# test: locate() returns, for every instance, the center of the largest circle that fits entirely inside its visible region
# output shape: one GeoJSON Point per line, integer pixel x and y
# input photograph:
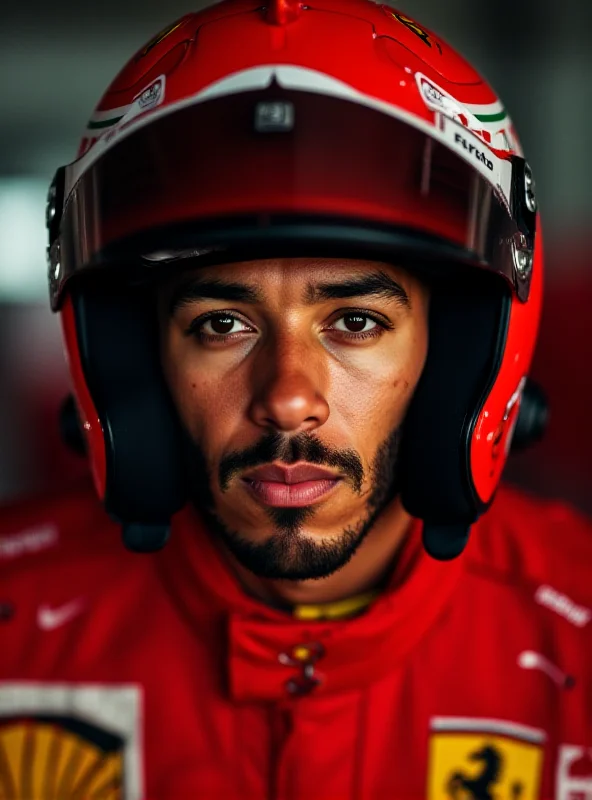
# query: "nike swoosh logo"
{"type": "Point", "coordinates": [49, 618]}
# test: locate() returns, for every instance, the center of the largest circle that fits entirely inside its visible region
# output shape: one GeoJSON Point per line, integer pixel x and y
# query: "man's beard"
{"type": "Point", "coordinates": [287, 554]}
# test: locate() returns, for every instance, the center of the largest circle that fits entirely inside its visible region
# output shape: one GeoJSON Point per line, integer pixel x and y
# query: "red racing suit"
{"type": "Point", "coordinates": [156, 676]}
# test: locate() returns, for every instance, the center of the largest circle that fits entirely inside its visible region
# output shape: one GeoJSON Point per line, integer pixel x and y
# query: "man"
{"type": "Point", "coordinates": [299, 276]}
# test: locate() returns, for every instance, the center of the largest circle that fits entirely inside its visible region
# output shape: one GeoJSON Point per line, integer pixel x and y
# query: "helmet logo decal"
{"type": "Point", "coordinates": [417, 30]}
{"type": "Point", "coordinates": [149, 97]}
{"type": "Point", "coordinates": [479, 154]}
{"type": "Point", "coordinates": [489, 122]}
{"type": "Point", "coordinates": [158, 39]}
{"type": "Point", "coordinates": [497, 171]}
{"type": "Point", "coordinates": [152, 95]}
{"type": "Point", "coordinates": [505, 430]}
{"type": "Point", "coordinates": [274, 117]}
{"type": "Point", "coordinates": [523, 255]}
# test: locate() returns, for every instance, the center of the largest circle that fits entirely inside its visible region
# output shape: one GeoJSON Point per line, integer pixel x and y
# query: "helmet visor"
{"type": "Point", "coordinates": [265, 169]}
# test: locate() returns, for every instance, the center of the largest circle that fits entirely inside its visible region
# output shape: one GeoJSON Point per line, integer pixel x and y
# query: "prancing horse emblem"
{"type": "Point", "coordinates": [480, 787]}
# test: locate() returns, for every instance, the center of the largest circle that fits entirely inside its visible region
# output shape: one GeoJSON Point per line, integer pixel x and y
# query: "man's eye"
{"type": "Point", "coordinates": [220, 325]}
{"type": "Point", "coordinates": [217, 327]}
{"type": "Point", "coordinates": [359, 325]}
{"type": "Point", "coordinates": [355, 322]}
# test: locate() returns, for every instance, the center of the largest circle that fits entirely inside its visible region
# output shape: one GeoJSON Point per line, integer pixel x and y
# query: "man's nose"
{"type": "Point", "coordinates": [289, 386]}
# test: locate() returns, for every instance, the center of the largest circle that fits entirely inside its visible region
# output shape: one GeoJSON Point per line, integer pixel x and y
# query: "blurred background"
{"type": "Point", "coordinates": [56, 59]}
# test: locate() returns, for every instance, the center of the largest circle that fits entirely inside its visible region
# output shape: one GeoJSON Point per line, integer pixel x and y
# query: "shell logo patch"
{"type": "Point", "coordinates": [59, 757]}
{"type": "Point", "coordinates": [70, 740]}
{"type": "Point", "coordinates": [479, 759]}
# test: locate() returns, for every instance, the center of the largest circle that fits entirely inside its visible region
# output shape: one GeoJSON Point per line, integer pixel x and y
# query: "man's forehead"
{"type": "Point", "coordinates": [297, 271]}
{"type": "Point", "coordinates": [292, 269]}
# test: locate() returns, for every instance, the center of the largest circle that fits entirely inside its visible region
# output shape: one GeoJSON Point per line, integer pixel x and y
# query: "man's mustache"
{"type": "Point", "coordinates": [304, 446]}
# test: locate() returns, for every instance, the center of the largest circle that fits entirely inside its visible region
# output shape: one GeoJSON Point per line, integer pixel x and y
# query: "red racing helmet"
{"type": "Point", "coordinates": [333, 127]}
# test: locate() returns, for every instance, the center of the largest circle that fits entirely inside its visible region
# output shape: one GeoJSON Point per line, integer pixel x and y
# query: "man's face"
{"type": "Point", "coordinates": [288, 363]}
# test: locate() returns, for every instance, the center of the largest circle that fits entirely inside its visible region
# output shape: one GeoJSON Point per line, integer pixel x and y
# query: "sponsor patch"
{"type": "Point", "coordinates": [105, 125]}
{"type": "Point", "coordinates": [70, 740]}
{"type": "Point", "coordinates": [51, 617]}
{"type": "Point", "coordinates": [473, 758]}
{"type": "Point", "coordinates": [152, 95]}
{"type": "Point", "coordinates": [478, 153]}
{"type": "Point", "coordinates": [574, 773]}
{"type": "Point", "coordinates": [31, 540]}
{"type": "Point", "coordinates": [560, 603]}
{"type": "Point", "coordinates": [496, 170]}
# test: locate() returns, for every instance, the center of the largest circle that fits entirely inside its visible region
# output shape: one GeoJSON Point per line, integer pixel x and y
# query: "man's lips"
{"type": "Point", "coordinates": [296, 474]}
{"type": "Point", "coordinates": [294, 486]}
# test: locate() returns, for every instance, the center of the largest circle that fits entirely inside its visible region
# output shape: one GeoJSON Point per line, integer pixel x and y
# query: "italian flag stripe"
{"type": "Point", "coordinates": [492, 117]}
{"type": "Point", "coordinates": [103, 123]}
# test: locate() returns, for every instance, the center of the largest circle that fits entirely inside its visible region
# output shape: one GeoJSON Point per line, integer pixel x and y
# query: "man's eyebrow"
{"type": "Point", "coordinates": [212, 289]}
{"type": "Point", "coordinates": [376, 284]}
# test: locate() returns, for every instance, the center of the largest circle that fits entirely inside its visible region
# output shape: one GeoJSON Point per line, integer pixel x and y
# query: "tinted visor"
{"type": "Point", "coordinates": [279, 171]}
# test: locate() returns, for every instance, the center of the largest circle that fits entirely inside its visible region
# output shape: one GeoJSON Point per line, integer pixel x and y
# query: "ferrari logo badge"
{"type": "Point", "coordinates": [158, 39]}
{"type": "Point", "coordinates": [479, 759]}
{"type": "Point", "coordinates": [417, 30]}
